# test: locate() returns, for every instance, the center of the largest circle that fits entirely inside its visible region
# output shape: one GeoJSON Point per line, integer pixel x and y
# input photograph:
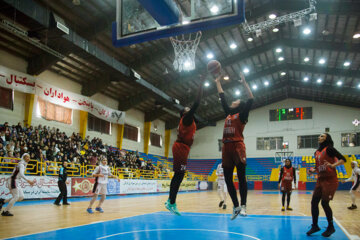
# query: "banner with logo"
{"type": "Point", "coordinates": [44, 187]}
{"type": "Point", "coordinates": [137, 186]}
{"type": "Point", "coordinates": [164, 185]}
{"type": "Point", "coordinates": [82, 186]}
{"type": "Point", "coordinates": [113, 186]}
{"type": "Point", "coordinates": [25, 83]}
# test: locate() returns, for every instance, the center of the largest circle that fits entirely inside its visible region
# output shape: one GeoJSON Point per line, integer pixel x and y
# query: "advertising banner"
{"type": "Point", "coordinates": [82, 186]}
{"type": "Point", "coordinates": [44, 187]}
{"type": "Point", "coordinates": [22, 82]}
{"type": "Point", "coordinates": [164, 185]}
{"type": "Point", "coordinates": [137, 186]}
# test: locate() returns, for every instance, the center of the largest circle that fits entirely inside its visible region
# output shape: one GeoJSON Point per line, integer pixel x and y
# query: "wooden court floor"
{"type": "Point", "coordinates": [44, 217]}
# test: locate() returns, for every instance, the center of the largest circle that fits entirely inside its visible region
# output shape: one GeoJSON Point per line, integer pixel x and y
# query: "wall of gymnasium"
{"type": "Point", "coordinates": [133, 117]}
{"type": "Point", "coordinates": [337, 118]}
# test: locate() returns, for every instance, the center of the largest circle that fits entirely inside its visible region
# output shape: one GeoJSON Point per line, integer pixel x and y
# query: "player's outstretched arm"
{"type": "Point", "coordinates": [246, 86]}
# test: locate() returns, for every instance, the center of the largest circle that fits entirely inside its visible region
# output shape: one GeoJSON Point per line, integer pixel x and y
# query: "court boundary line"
{"type": "Point", "coordinates": [179, 229]}
{"type": "Point", "coordinates": [57, 229]}
{"type": "Point", "coordinates": [351, 237]}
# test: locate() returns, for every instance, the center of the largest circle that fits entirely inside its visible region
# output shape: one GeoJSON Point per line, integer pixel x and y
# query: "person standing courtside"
{"type": "Point", "coordinates": [16, 192]}
{"type": "Point", "coordinates": [327, 158]}
{"type": "Point", "coordinates": [234, 151]}
{"type": "Point", "coordinates": [181, 148]}
{"type": "Point", "coordinates": [62, 185]}
{"type": "Point", "coordinates": [287, 175]}
{"type": "Point", "coordinates": [222, 189]}
{"type": "Point", "coordinates": [355, 176]}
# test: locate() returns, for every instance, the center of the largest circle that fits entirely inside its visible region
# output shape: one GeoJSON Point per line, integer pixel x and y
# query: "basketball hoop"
{"type": "Point", "coordinates": [185, 50]}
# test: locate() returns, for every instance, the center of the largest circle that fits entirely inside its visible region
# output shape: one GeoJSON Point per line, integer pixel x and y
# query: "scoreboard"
{"type": "Point", "coordinates": [285, 114]}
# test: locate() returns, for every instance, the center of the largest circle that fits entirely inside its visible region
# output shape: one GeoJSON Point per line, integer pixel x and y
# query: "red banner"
{"type": "Point", "coordinates": [82, 186]}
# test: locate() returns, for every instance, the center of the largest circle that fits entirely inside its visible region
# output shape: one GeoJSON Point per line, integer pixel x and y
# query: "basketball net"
{"type": "Point", "coordinates": [185, 50]}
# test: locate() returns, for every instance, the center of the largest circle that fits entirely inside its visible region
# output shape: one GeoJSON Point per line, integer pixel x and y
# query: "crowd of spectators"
{"type": "Point", "coordinates": [51, 145]}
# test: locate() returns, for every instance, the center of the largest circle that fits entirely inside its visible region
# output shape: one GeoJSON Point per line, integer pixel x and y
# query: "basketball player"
{"type": "Point", "coordinates": [355, 176]}
{"type": "Point", "coordinates": [101, 174]}
{"type": "Point", "coordinates": [233, 151]}
{"type": "Point", "coordinates": [16, 191]}
{"type": "Point", "coordinates": [327, 159]}
{"type": "Point", "coordinates": [181, 148]}
{"type": "Point", "coordinates": [287, 175]}
{"type": "Point", "coordinates": [222, 189]}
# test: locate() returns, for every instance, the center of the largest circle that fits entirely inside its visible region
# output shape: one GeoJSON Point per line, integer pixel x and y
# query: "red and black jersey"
{"type": "Point", "coordinates": [288, 174]}
{"type": "Point", "coordinates": [321, 168]}
{"type": "Point", "coordinates": [233, 129]}
{"type": "Point", "coordinates": [186, 133]}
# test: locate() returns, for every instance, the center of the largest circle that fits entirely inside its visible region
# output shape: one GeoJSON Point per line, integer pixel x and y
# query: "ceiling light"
{"type": "Point", "coordinates": [206, 84]}
{"type": "Point", "coordinates": [319, 80]}
{"type": "Point", "coordinates": [187, 64]}
{"type": "Point", "coordinates": [306, 59]}
{"type": "Point", "coordinates": [283, 73]}
{"type": "Point", "coordinates": [237, 92]}
{"type": "Point", "coordinates": [246, 70]}
{"type": "Point", "coordinates": [275, 30]}
{"type": "Point", "coordinates": [250, 39]}
{"type": "Point", "coordinates": [278, 50]}
{"type": "Point", "coordinates": [185, 22]}
{"type": "Point", "coordinates": [210, 55]}
{"type": "Point", "coordinates": [322, 61]}
{"type": "Point", "coordinates": [254, 87]}
{"type": "Point", "coordinates": [226, 78]}
{"type": "Point", "coordinates": [359, 85]}
{"type": "Point", "coordinates": [233, 46]}
{"type": "Point", "coordinates": [339, 83]}
{"type": "Point", "coordinates": [281, 58]}
{"type": "Point", "coordinates": [272, 16]}
{"type": "Point", "coordinates": [266, 83]}
{"type": "Point", "coordinates": [356, 35]}
{"type": "Point", "coordinates": [214, 9]}
{"type": "Point", "coordinates": [346, 64]}
{"type": "Point", "coordinates": [306, 79]}
{"type": "Point", "coordinates": [306, 31]}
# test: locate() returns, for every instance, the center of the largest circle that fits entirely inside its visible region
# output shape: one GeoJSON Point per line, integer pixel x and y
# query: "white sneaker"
{"type": "Point", "coordinates": [236, 212]}
{"type": "Point", "coordinates": [243, 210]}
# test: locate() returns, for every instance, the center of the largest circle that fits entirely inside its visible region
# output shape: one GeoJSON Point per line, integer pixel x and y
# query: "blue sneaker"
{"type": "Point", "coordinates": [172, 207]}
{"type": "Point", "coordinates": [99, 209]}
{"type": "Point", "coordinates": [89, 210]}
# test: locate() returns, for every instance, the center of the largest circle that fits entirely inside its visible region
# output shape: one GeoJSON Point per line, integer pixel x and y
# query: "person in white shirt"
{"type": "Point", "coordinates": [101, 174]}
{"type": "Point", "coordinates": [16, 191]}
{"type": "Point", "coordinates": [355, 176]}
{"type": "Point", "coordinates": [222, 189]}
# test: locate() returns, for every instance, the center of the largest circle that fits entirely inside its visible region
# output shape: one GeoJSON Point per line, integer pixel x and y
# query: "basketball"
{"type": "Point", "coordinates": [214, 67]}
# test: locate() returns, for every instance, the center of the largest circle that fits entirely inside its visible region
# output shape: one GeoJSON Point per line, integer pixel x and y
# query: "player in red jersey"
{"type": "Point", "coordinates": [327, 159]}
{"type": "Point", "coordinates": [181, 148]}
{"type": "Point", "coordinates": [233, 151]}
{"type": "Point", "coordinates": [287, 175]}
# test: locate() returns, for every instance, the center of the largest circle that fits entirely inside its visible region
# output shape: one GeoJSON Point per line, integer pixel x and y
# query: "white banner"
{"type": "Point", "coordinates": [25, 83]}
{"type": "Point", "coordinates": [137, 186]}
{"type": "Point", "coordinates": [44, 187]}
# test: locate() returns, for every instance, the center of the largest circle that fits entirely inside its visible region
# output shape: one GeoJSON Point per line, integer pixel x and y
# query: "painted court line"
{"type": "Point", "coordinates": [351, 237]}
{"type": "Point", "coordinates": [57, 229]}
{"type": "Point", "coordinates": [176, 229]}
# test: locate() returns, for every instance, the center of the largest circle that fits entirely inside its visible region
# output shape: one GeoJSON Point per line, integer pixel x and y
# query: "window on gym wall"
{"type": "Point", "coordinates": [98, 125]}
{"type": "Point", "coordinates": [155, 140]}
{"type": "Point", "coordinates": [308, 141]}
{"type": "Point", "coordinates": [269, 143]}
{"type": "Point", "coordinates": [53, 112]}
{"type": "Point", "coordinates": [350, 139]}
{"type": "Point", "coordinates": [131, 132]}
{"type": "Point", "coordinates": [6, 98]}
